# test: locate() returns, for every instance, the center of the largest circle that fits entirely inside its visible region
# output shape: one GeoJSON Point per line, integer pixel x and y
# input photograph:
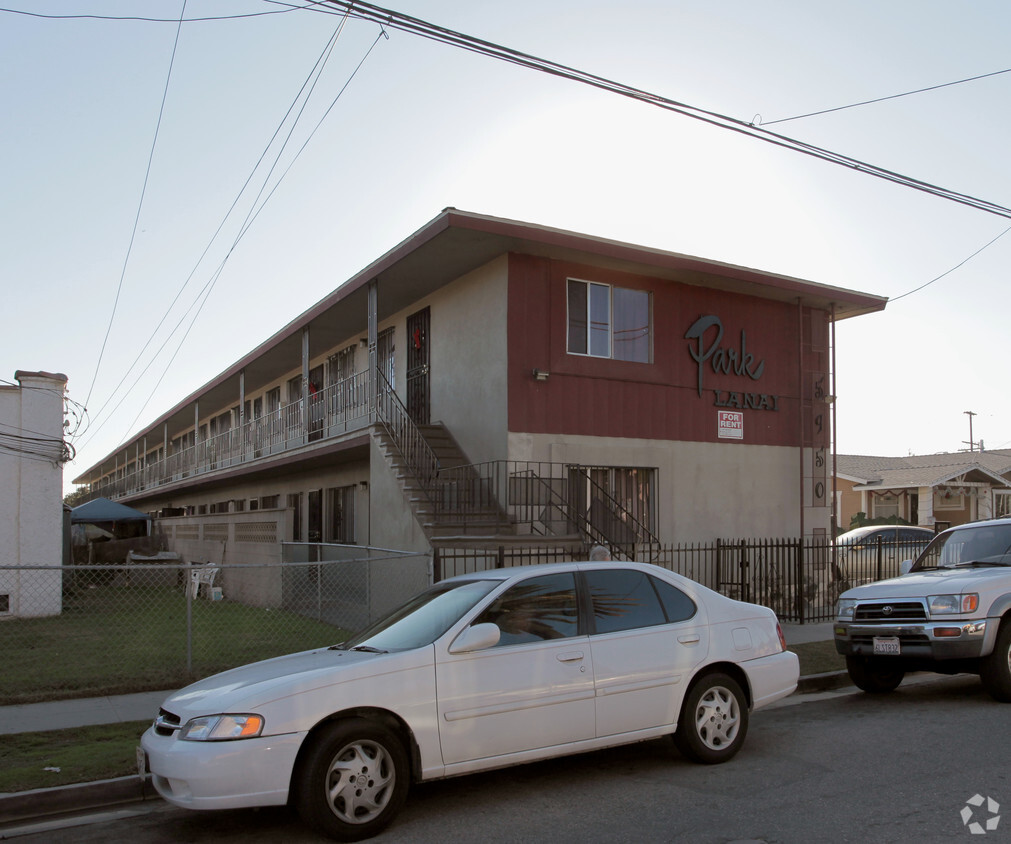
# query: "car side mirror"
{"type": "Point", "coordinates": [477, 637]}
{"type": "Point", "coordinates": [905, 566]}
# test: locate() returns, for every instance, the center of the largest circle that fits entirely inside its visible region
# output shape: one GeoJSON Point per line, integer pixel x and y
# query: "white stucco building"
{"type": "Point", "coordinates": [32, 454]}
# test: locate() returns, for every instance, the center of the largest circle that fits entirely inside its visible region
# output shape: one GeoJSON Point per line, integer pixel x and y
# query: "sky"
{"type": "Point", "coordinates": [153, 232]}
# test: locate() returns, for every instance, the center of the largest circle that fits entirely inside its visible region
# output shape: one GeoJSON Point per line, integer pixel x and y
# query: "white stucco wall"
{"type": "Point", "coordinates": [31, 496]}
{"type": "Point", "coordinates": [468, 358]}
{"type": "Point", "coordinates": [704, 490]}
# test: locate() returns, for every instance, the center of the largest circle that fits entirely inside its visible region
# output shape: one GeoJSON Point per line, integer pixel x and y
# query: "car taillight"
{"type": "Point", "coordinates": [782, 638]}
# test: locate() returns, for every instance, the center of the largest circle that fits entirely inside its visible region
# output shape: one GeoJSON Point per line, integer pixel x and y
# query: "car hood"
{"type": "Point", "coordinates": [260, 683]}
{"type": "Point", "coordinates": [922, 583]}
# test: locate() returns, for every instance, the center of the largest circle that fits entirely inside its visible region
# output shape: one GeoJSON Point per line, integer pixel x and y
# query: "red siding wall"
{"type": "Point", "coordinates": [606, 398]}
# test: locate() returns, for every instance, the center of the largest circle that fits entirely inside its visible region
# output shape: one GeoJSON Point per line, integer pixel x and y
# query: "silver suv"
{"type": "Point", "coordinates": [950, 612]}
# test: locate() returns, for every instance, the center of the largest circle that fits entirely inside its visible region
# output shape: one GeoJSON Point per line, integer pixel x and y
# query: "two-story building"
{"type": "Point", "coordinates": [499, 380]}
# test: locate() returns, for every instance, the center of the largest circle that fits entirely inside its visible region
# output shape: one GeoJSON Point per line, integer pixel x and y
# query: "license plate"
{"type": "Point", "coordinates": [886, 646]}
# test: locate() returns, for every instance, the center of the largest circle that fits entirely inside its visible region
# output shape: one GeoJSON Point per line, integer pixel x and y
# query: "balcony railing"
{"type": "Point", "coordinates": [337, 409]}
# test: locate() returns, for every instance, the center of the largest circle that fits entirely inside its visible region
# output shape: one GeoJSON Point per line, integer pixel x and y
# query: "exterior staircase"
{"type": "Point", "coordinates": [447, 509]}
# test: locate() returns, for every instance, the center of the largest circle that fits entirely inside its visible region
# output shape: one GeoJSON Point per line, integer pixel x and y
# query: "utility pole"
{"type": "Point", "coordinates": [971, 443]}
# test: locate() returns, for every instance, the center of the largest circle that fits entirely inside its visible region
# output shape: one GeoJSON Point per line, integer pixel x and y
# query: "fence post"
{"type": "Point", "coordinates": [188, 589]}
{"type": "Point", "coordinates": [719, 565]}
{"type": "Point", "coordinates": [880, 550]}
{"type": "Point", "coordinates": [436, 565]}
{"type": "Point", "coordinates": [500, 564]}
{"type": "Point", "coordinates": [743, 572]}
{"type": "Point", "coordinates": [799, 555]}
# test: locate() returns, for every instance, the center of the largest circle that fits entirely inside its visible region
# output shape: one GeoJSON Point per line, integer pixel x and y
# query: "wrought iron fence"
{"type": "Point", "coordinates": [795, 577]}
{"type": "Point", "coordinates": [88, 630]}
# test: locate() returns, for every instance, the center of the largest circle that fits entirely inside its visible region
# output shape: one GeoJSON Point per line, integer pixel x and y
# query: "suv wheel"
{"type": "Point", "coordinates": [995, 671]}
{"type": "Point", "coordinates": [875, 676]}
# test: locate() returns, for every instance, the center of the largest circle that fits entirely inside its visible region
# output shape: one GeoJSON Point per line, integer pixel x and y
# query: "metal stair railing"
{"type": "Point", "coordinates": [419, 458]}
{"type": "Point", "coordinates": [532, 493]}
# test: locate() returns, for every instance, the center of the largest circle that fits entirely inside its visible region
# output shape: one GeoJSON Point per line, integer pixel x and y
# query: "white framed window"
{"type": "Point", "coordinates": [609, 322]}
{"type": "Point", "coordinates": [948, 500]}
{"type": "Point", "coordinates": [885, 506]}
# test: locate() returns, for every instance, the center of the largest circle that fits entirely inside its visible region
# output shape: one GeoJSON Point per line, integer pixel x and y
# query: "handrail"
{"type": "Point", "coordinates": [418, 455]}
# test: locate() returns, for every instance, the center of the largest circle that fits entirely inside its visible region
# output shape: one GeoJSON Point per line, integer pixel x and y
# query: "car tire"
{"type": "Point", "coordinates": [995, 670]}
{"type": "Point", "coordinates": [352, 780]}
{"type": "Point", "coordinates": [714, 720]}
{"type": "Point", "coordinates": [875, 676]}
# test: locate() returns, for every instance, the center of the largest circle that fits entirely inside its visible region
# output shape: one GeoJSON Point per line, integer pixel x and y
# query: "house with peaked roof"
{"type": "Point", "coordinates": [930, 489]}
{"type": "Point", "coordinates": [498, 381]}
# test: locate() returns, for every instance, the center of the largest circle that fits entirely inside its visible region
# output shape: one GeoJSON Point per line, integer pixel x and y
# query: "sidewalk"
{"type": "Point", "coordinates": [80, 712]}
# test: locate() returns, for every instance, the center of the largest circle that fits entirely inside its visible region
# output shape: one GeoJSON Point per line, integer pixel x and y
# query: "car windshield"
{"type": "Point", "coordinates": [984, 545]}
{"type": "Point", "coordinates": [423, 619]}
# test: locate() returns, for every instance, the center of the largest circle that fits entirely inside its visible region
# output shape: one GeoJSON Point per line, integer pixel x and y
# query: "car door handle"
{"type": "Point", "coordinates": [570, 656]}
{"type": "Point", "coordinates": [689, 639]}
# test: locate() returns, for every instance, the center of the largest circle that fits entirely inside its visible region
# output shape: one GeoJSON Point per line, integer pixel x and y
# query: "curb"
{"type": "Point", "coordinates": [823, 682]}
{"type": "Point", "coordinates": [23, 806]}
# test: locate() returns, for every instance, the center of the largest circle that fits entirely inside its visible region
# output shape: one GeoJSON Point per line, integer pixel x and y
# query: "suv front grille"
{"type": "Point", "coordinates": [890, 611]}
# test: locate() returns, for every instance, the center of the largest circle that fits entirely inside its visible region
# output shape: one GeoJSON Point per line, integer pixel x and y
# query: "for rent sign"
{"type": "Point", "coordinates": [731, 425]}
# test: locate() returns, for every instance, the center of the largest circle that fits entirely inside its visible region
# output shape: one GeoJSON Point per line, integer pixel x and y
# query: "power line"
{"type": "Point", "coordinates": [313, 74]}
{"type": "Point", "coordinates": [948, 272]}
{"type": "Point", "coordinates": [433, 32]}
{"type": "Point", "coordinates": [140, 203]}
{"type": "Point", "coordinates": [883, 99]}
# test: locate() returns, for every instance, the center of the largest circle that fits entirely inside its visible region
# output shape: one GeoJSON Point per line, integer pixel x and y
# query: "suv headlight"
{"type": "Point", "coordinates": [952, 604]}
{"type": "Point", "coordinates": [844, 609]}
{"type": "Point", "coordinates": [222, 728]}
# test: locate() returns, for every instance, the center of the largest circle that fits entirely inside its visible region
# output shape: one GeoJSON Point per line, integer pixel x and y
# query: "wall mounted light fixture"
{"type": "Point", "coordinates": [541, 375]}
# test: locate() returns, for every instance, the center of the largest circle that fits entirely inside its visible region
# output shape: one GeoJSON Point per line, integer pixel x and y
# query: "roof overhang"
{"type": "Point", "coordinates": [451, 245]}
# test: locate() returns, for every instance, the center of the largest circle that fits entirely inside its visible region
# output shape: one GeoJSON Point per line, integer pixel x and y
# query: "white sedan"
{"type": "Point", "coordinates": [481, 671]}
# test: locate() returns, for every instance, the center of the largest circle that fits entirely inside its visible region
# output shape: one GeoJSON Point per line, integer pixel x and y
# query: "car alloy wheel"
{"type": "Point", "coordinates": [714, 720]}
{"type": "Point", "coordinates": [352, 780]}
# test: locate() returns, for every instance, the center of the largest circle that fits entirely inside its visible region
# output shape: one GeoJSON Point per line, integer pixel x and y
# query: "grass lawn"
{"type": "Point", "coordinates": [818, 657]}
{"type": "Point", "coordinates": [117, 640]}
{"type": "Point", "coordinates": [82, 754]}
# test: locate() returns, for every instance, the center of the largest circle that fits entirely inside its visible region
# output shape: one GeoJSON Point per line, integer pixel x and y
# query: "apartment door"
{"type": "Point", "coordinates": [418, 372]}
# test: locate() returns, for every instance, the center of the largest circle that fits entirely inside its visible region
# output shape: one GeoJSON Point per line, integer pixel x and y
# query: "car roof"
{"type": "Point", "coordinates": [984, 523]}
{"type": "Point", "coordinates": [508, 572]}
{"type": "Point", "coordinates": [868, 529]}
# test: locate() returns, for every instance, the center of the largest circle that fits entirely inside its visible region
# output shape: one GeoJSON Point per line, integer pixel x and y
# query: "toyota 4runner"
{"type": "Point", "coordinates": [950, 612]}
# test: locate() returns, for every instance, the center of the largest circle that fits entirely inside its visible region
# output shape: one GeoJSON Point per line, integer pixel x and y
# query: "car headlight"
{"type": "Point", "coordinates": [222, 728]}
{"type": "Point", "coordinates": [950, 604]}
{"type": "Point", "coordinates": [844, 609]}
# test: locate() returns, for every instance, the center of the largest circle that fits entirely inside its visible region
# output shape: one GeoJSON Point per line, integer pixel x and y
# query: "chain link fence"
{"type": "Point", "coordinates": [158, 622]}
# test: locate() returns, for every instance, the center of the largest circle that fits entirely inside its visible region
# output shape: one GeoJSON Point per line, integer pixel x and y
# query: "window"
{"type": "Point", "coordinates": [677, 605]}
{"type": "Point", "coordinates": [1001, 504]}
{"type": "Point", "coordinates": [269, 502]}
{"type": "Point", "coordinates": [885, 505]}
{"type": "Point", "coordinates": [535, 610]}
{"type": "Point", "coordinates": [617, 501]}
{"type": "Point", "coordinates": [623, 600]}
{"type": "Point", "coordinates": [609, 322]}
{"type": "Point", "coordinates": [340, 522]}
{"type": "Point", "coordinates": [627, 600]}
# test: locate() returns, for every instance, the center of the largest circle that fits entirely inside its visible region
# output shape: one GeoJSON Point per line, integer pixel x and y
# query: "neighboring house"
{"type": "Point", "coordinates": [930, 489]}
{"type": "Point", "coordinates": [32, 454]}
{"type": "Point", "coordinates": [500, 382]}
